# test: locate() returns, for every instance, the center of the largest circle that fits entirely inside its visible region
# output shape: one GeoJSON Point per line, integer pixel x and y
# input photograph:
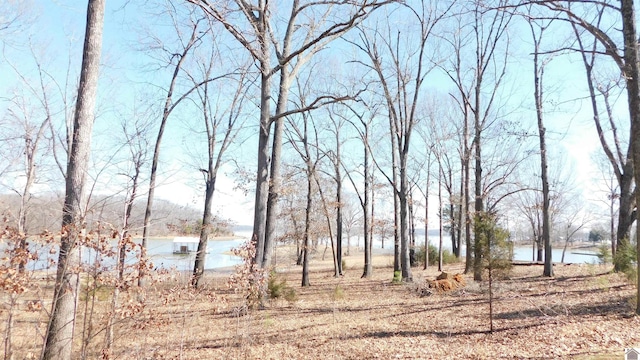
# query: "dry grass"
{"type": "Point", "coordinates": [584, 312]}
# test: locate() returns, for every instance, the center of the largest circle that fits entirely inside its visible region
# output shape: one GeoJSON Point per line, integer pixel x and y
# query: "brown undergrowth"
{"type": "Point", "coordinates": [583, 312]}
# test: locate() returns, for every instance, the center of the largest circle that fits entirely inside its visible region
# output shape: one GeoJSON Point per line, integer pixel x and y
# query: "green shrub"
{"type": "Point", "coordinates": [290, 295]}
{"type": "Point", "coordinates": [276, 286]}
{"type": "Point", "coordinates": [604, 254]}
{"type": "Point", "coordinates": [626, 259]}
{"type": "Point", "coordinates": [496, 249]}
{"type": "Point", "coordinates": [447, 256]}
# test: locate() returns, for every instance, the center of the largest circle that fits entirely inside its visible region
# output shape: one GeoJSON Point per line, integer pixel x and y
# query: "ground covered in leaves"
{"type": "Point", "coordinates": [583, 312]}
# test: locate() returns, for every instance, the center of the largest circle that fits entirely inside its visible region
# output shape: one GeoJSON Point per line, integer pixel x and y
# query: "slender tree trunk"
{"type": "Point", "coordinates": [539, 243]}
{"type": "Point", "coordinates": [9, 325]}
{"type": "Point", "coordinates": [440, 217]}
{"type": "Point", "coordinates": [305, 246]}
{"type": "Point", "coordinates": [59, 337]}
{"type": "Point", "coordinates": [455, 242]}
{"type": "Point", "coordinates": [564, 249]}
{"type": "Point", "coordinates": [368, 266]}
{"type": "Point", "coordinates": [538, 73]}
{"type": "Point", "coordinates": [546, 236]}
{"type": "Point", "coordinates": [479, 204]}
{"type": "Point", "coordinates": [412, 224]}
{"type": "Point", "coordinates": [426, 216]}
{"type": "Point", "coordinates": [612, 222]}
{"type": "Point", "coordinates": [339, 226]}
{"type": "Point", "coordinates": [397, 265]}
{"type": "Point", "coordinates": [325, 208]}
{"type": "Point", "coordinates": [466, 199]}
{"type": "Point", "coordinates": [459, 222]}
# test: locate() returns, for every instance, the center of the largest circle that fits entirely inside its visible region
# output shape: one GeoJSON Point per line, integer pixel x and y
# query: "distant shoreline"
{"type": "Point", "coordinates": [211, 238]}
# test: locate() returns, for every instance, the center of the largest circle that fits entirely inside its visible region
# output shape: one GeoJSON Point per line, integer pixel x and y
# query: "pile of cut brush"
{"type": "Point", "coordinates": [443, 283]}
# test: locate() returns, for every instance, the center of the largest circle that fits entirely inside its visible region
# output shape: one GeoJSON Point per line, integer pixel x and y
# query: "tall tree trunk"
{"type": "Point", "coordinates": [632, 76]}
{"type": "Point", "coordinates": [339, 205]}
{"type": "Point", "coordinates": [262, 173]}
{"type": "Point", "coordinates": [459, 219]}
{"type": "Point", "coordinates": [397, 265]}
{"type": "Point", "coordinates": [274, 175]}
{"type": "Point", "coordinates": [426, 215]}
{"type": "Point", "coordinates": [479, 203]}
{"type": "Point", "coordinates": [538, 92]}
{"type": "Point", "coordinates": [546, 235]}
{"type": "Point", "coordinates": [59, 337]}
{"type": "Point", "coordinates": [466, 199]}
{"type": "Point", "coordinates": [404, 220]}
{"type": "Point", "coordinates": [455, 242]}
{"type": "Point", "coordinates": [30, 152]}
{"type": "Point", "coordinates": [440, 217]}
{"type": "Point", "coordinates": [368, 265]}
{"type": "Point", "coordinates": [412, 224]}
{"type": "Point", "coordinates": [327, 216]}
{"type": "Point", "coordinates": [305, 246]}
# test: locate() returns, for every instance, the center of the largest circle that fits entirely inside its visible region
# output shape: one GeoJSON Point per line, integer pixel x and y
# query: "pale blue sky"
{"type": "Point", "coordinates": [59, 28]}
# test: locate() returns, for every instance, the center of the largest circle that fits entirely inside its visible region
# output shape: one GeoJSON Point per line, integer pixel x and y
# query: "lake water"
{"type": "Point", "coordinates": [520, 253]}
{"type": "Point", "coordinates": [161, 253]}
{"type": "Point", "coordinates": [162, 256]}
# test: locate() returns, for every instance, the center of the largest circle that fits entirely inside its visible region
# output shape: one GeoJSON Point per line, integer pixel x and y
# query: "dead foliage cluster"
{"type": "Point", "coordinates": [443, 283]}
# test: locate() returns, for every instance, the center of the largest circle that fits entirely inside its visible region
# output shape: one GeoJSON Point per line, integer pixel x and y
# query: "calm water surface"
{"type": "Point", "coordinates": [161, 253]}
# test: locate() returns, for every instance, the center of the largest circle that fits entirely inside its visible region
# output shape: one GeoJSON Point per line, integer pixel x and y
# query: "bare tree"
{"type": "Point", "coordinates": [538, 91]}
{"type": "Point", "coordinates": [281, 53]}
{"type": "Point", "coordinates": [619, 158]}
{"type": "Point", "coordinates": [198, 28]}
{"type": "Point", "coordinates": [221, 126]}
{"type": "Point", "coordinates": [625, 57]}
{"type": "Point", "coordinates": [135, 137]}
{"type": "Point", "coordinates": [30, 115]}
{"type": "Point", "coordinates": [59, 337]}
{"type": "Point", "coordinates": [632, 77]}
{"type": "Point", "coordinates": [336, 161]}
{"type": "Point", "coordinates": [362, 122]}
{"type": "Point", "coordinates": [300, 139]}
{"type": "Point", "coordinates": [484, 33]}
{"type": "Point", "coordinates": [401, 80]}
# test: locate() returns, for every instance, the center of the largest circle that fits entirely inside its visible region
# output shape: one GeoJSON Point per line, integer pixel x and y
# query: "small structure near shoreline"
{"type": "Point", "coordinates": [185, 245]}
